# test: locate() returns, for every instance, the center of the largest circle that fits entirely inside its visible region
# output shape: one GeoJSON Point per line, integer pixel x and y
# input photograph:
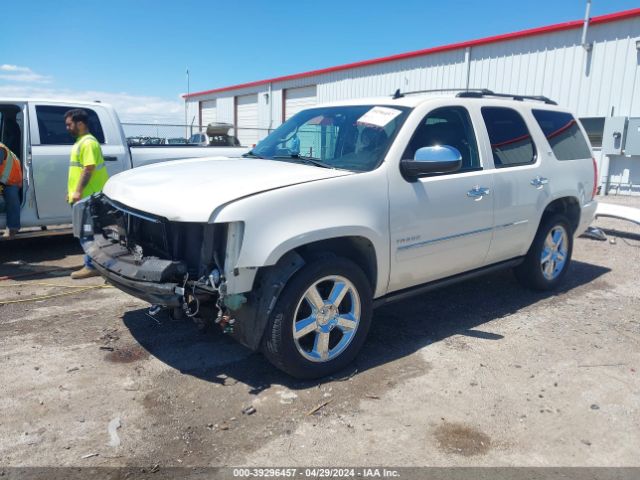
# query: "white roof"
{"type": "Point", "coordinates": [61, 101]}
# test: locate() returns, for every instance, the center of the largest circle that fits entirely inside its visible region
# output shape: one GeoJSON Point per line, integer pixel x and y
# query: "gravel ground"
{"type": "Point", "coordinates": [483, 373]}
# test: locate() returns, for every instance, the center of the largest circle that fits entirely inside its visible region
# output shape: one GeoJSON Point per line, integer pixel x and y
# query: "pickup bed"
{"type": "Point", "coordinates": [345, 207]}
{"type": "Point", "coordinates": [35, 131]}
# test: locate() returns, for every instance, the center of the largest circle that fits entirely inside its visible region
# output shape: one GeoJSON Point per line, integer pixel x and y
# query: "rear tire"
{"type": "Point", "coordinates": [549, 256]}
{"type": "Point", "coordinates": [320, 319]}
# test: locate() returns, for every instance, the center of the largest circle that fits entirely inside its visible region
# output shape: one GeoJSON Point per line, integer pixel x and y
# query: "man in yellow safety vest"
{"type": "Point", "coordinates": [87, 171]}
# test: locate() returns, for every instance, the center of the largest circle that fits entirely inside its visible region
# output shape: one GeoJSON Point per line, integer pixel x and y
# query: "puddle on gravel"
{"type": "Point", "coordinates": [127, 354]}
{"type": "Point", "coordinates": [462, 440]}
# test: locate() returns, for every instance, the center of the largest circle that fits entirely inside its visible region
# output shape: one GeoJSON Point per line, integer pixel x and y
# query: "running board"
{"type": "Point", "coordinates": [37, 233]}
{"type": "Point", "coordinates": [427, 287]}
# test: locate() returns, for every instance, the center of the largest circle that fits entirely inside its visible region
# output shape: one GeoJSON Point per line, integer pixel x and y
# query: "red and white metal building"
{"type": "Point", "coordinates": [596, 79]}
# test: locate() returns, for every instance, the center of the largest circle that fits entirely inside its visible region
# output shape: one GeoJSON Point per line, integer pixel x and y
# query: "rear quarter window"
{"type": "Point", "coordinates": [563, 134]}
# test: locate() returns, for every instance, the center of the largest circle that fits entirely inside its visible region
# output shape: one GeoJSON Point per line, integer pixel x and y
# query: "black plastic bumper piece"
{"type": "Point", "coordinates": [149, 279]}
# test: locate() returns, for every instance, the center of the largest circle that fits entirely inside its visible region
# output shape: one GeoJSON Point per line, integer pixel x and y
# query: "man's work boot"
{"type": "Point", "coordinates": [10, 233]}
{"type": "Point", "coordinates": [85, 272]}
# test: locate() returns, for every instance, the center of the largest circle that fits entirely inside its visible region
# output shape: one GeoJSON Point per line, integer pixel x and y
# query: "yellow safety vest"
{"type": "Point", "coordinates": [86, 151]}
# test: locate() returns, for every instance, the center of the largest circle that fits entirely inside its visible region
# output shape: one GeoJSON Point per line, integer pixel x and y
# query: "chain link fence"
{"type": "Point", "coordinates": [176, 134]}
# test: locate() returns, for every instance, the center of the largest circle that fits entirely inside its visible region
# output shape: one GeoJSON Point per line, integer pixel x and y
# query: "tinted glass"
{"type": "Point", "coordinates": [349, 137]}
{"type": "Point", "coordinates": [564, 135]}
{"type": "Point", "coordinates": [447, 126]}
{"type": "Point", "coordinates": [52, 128]}
{"type": "Point", "coordinates": [595, 129]}
{"type": "Point", "coordinates": [510, 139]}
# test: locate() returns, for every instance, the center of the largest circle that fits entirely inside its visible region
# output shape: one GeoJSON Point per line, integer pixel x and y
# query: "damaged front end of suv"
{"type": "Point", "coordinates": [182, 266]}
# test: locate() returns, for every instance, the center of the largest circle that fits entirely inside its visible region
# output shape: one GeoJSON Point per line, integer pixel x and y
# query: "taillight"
{"type": "Point", "coordinates": [595, 179]}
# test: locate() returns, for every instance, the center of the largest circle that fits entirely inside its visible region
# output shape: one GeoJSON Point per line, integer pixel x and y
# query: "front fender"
{"type": "Point", "coordinates": [279, 221]}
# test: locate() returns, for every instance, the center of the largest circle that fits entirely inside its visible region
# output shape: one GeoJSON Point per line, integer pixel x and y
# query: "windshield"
{"type": "Point", "coordinates": [348, 137]}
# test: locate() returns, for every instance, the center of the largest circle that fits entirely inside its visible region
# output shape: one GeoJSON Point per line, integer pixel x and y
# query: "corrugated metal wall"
{"type": "Point", "coordinates": [552, 64]}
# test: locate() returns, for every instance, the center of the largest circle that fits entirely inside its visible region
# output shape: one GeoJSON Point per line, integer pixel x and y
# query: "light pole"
{"type": "Point", "coordinates": [186, 99]}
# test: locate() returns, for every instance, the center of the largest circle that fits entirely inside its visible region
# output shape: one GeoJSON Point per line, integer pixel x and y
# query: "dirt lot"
{"type": "Point", "coordinates": [481, 373]}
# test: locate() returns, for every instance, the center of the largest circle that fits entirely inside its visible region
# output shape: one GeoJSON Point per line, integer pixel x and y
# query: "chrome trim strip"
{"type": "Point", "coordinates": [512, 224]}
{"type": "Point", "coordinates": [129, 212]}
{"type": "Point", "coordinates": [442, 239]}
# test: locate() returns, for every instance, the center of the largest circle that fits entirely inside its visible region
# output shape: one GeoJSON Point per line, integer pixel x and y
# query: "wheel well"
{"type": "Point", "coordinates": [357, 249]}
{"type": "Point", "coordinates": [567, 206]}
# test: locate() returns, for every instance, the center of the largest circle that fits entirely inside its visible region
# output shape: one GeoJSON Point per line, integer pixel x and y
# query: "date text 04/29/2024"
{"type": "Point", "coordinates": [316, 472]}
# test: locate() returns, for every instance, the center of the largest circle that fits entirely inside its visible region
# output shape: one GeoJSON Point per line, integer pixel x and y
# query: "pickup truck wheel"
{"type": "Point", "coordinates": [548, 258]}
{"type": "Point", "coordinates": [320, 320]}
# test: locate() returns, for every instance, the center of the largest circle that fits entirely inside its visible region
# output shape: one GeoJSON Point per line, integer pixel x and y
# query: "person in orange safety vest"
{"type": "Point", "coordinates": [11, 182]}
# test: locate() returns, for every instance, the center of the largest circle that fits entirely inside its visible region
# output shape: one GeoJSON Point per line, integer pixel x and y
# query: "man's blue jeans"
{"type": "Point", "coordinates": [12, 200]}
{"type": "Point", "coordinates": [88, 263]}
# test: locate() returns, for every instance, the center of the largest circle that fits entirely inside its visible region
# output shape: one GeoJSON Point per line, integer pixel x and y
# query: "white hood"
{"type": "Point", "coordinates": [189, 190]}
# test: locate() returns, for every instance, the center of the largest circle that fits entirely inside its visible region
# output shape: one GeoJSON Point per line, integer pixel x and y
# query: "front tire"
{"type": "Point", "coordinates": [320, 320]}
{"type": "Point", "coordinates": [549, 256]}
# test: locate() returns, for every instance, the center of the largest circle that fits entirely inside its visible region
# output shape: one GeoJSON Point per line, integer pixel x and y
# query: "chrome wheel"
{"type": "Point", "coordinates": [554, 252]}
{"type": "Point", "coordinates": [326, 318]}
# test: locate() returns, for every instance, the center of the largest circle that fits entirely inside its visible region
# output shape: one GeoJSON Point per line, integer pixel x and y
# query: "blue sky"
{"type": "Point", "coordinates": [134, 53]}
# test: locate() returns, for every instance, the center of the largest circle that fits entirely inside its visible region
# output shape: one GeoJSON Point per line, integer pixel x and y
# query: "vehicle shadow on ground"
{"type": "Point", "coordinates": [398, 330]}
{"type": "Point", "coordinates": [27, 259]}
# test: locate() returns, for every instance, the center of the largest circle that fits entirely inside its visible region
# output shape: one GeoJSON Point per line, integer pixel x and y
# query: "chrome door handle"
{"type": "Point", "coordinates": [539, 182]}
{"type": "Point", "coordinates": [478, 193]}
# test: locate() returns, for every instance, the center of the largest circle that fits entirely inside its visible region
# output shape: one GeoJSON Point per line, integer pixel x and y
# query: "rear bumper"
{"type": "Point", "coordinates": [587, 216]}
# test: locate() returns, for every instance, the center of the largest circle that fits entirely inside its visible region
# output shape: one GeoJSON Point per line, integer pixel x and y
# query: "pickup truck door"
{"type": "Point", "coordinates": [51, 149]}
{"type": "Point", "coordinates": [14, 136]}
{"type": "Point", "coordinates": [441, 225]}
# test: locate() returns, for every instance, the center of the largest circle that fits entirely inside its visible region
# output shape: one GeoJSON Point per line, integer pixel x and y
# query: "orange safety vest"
{"type": "Point", "coordinates": [10, 169]}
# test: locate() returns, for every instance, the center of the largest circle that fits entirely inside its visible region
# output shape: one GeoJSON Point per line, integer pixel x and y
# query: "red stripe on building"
{"type": "Point", "coordinates": [558, 27]}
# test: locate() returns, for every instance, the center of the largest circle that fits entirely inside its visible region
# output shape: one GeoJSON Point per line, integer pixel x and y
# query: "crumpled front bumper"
{"type": "Point", "coordinates": [150, 279]}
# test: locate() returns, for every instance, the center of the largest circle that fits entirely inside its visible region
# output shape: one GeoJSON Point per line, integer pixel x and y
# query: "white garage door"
{"type": "Point", "coordinates": [208, 109]}
{"type": "Point", "coordinates": [297, 99]}
{"type": "Point", "coordinates": [247, 120]}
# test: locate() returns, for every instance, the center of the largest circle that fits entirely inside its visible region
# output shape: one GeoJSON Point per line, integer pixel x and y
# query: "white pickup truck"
{"type": "Point", "coordinates": [35, 131]}
{"type": "Point", "coordinates": [346, 207]}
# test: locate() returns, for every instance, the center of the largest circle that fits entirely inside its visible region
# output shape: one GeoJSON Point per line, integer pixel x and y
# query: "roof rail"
{"type": "Point", "coordinates": [477, 93]}
{"type": "Point", "coordinates": [489, 93]}
{"type": "Point", "coordinates": [399, 94]}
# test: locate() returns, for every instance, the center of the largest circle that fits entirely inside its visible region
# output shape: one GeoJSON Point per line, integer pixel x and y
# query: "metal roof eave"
{"type": "Point", "coordinates": [558, 27]}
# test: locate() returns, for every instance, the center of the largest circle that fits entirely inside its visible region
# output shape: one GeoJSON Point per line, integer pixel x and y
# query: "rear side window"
{"type": "Point", "coordinates": [564, 135]}
{"type": "Point", "coordinates": [511, 142]}
{"type": "Point", "coordinates": [53, 131]}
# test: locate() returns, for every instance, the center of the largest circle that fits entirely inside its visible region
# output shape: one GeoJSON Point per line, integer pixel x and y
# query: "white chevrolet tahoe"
{"type": "Point", "coordinates": [346, 207]}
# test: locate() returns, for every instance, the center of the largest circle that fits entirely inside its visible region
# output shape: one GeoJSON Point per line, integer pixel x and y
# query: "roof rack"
{"type": "Point", "coordinates": [519, 98]}
{"type": "Point", "coordinates": [478, 93]}
{"type": "Point", "coordinates": [399, 94]}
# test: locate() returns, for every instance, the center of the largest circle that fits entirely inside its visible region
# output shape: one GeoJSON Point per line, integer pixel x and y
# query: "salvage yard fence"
{"type": "Point", "coordinates": [166, 133]}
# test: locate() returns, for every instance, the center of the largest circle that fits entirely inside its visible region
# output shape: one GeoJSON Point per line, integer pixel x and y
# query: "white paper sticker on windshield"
{"type": "Point", "coordinates": [379, 116]}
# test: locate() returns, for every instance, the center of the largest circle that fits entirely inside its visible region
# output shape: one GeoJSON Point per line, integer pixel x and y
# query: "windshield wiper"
{"type": "Point", "coordinates": [307, 160]}
{"type": "Point", "coordinates": [250, 154]}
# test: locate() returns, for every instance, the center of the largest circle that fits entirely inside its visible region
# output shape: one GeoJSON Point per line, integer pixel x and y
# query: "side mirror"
{"type": "Point", "coordinates": [431, 160]}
